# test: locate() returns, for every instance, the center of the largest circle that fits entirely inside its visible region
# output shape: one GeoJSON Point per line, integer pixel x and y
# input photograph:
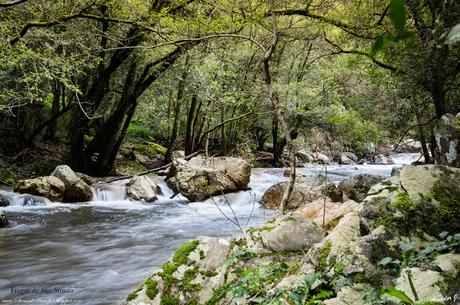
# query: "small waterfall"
{"type": "Point", "coordinates": [109, 192]}
{"type": "Point", "coordinates": [25, 200]}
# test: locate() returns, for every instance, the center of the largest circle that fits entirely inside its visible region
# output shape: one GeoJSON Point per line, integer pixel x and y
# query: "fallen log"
{"type": "Point", "coordinates": [153, 169]}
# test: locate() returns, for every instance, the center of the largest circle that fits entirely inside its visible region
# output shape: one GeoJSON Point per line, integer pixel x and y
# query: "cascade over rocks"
{"type": "Point", "coordinates": [203, 177]}
{"type": "Point", "coordinates": [142, 188]}
{"type": "Point", "coordinates": [76, 190]}
{"type": "Point", "coordinates": [48, 186]}
{"type": "Point", "coordinates": [447, 136]}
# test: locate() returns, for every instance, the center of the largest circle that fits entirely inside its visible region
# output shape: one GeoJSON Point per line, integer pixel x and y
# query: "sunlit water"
{"type": "Point", "coordinates": [97, 253]}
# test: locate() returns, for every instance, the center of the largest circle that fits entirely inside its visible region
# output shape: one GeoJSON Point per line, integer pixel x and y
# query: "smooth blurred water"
{"type": "Point", "coordinates": [102, 250]}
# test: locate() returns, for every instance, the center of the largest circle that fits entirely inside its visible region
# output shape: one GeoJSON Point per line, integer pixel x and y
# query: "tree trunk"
{"type": "Point", "coordinates": [175, 127]}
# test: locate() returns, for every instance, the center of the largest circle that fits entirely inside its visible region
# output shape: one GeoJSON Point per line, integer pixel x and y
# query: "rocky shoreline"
{"type": "Point", "coordinates": [399, 244]}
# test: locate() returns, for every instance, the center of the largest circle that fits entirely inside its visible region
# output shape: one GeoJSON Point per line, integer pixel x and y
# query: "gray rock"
{"type": "Point", "coordinates": [356, 187]}
{"type": "Point", "coordinates": [301, 194]}
{"type": "Point", "coordinates": [142, 188]}
{"type": "Point", "coordinates": [3, 220]}
{"type": "Point", "coordinates": [348, 158]}
{"type": "Point", "coordinates": [203, 177]}
{"type": "Point", "coordinates": [447, 136]}
{"type": "Point", "coordinates": [426, 282]}
{"type": "Point", "coordinates": [50, 187]}
{"type": "Point", "coordinates": [288, 233]}
{"type": "Point", "coordinates": [349, 296]}
{"type": "Point", "coordinates": [76, 190]}
{"type": "Point", "coordinates": [382, 160]}
{"type": "Point", "coordinates": [4, 201]}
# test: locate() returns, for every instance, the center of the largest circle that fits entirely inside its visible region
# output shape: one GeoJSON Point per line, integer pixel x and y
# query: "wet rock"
{"type": "Point", "coordinates": [3, 220]}
{"type": "Point", "coordinates": [301, 194]}
{"type": "Point", "coordinates": [48, 186]}
{"type": "Point", "coordinates": [203, 177]}
{"type": "Point", "coordinates": [396, 170]}
{"type": "Point", "coordinates": [334, 211]}
{"type": "Point", "coordinates": [288, 233]}
{"type": "Point", "coordinates": [4, 201]}
{"type": "Point", "coordinates": [86, 178]}
{"type": "Point", "coordinates": [332, 191]}
{"type": "Point", "coordinates": [356, 187]}
{"type": "Point", "coordinates": [321, 158]}
{"type": "Point", "coordinates": [447, 136]}
{"type": "Point", "coordinates": [142, 188]}
{"type": "Point", "coordinates": [305, 156]}
{"type": "Point", "coordinates": [76, 190]}
{"type": "Point", "coordinates": [382, 160]}
{"type": "Point", "coordinates": [348, 158]}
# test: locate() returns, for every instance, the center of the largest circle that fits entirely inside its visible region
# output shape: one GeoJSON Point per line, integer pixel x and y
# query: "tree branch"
{"type": "Point", "coordinates": [339, 24]}
{"type": "Point", "coordinates": [13, 3]}
{"type": "Point", "coordinates": [358, 52]}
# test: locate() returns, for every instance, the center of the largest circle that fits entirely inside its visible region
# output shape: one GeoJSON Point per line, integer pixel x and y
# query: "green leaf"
{"type": "Point", "coordinates": [385, 261]}
{"type": "Point", "coordinates": [397, 294]}
{"type": "Point", "coordinates": [443, 235]}
{"type": "Point", "coordinates": [378, 45]}
{"type": "Point", "coordinates": [406, 247]}
{"type": "Point", "coordinates": [454, 35]}
{"type": "Point", "coordinates": [397, 13]}
{"type": "Point", "coordinates": [323, 294]}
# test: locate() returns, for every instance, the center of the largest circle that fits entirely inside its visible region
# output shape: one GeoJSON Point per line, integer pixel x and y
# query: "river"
{"type": "Point", "coordinates": [96, 253]}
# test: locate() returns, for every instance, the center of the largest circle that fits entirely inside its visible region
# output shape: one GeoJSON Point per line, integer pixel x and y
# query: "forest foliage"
{"type": "Point", "coordinates": [95, 75]}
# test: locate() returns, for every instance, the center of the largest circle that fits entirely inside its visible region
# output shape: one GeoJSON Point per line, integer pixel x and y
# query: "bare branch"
{"type": "Point", "coordinates": [13, 3]}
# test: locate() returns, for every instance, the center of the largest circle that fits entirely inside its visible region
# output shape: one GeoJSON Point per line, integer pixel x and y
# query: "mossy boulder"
{"type": "Point", "coordinates": [48, 186]}
{"type": "Point", "coordinates": [203, 177]}
{"type": "Point", "coordinates": [189, 277]}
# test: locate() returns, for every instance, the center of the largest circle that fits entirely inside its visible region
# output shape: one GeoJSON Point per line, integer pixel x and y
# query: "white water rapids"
{"type": "Point", "coordinates": [96, 253]}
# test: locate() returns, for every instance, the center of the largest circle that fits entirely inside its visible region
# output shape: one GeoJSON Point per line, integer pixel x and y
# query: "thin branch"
{"type": "Point", "coordinates": [358, 52]}
{"type": "Point", "coordinates": [409, 129]}
{"type": "Point", "coordinates": [339, 24]}
{"type": "Point", "coordinates": [13, 3]}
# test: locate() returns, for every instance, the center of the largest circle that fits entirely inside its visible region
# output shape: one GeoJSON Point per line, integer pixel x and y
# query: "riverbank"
{"type": "Point", "coordinates": [401, 244]}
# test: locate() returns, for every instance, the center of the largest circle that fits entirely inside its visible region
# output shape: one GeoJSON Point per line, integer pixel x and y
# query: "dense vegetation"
{"type": "Point", "coordinates": [81, 80]}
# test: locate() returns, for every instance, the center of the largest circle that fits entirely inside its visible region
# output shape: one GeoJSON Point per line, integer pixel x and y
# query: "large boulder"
{"type": "Point", "coordinates": [76, 190]}
{"type": "Point", "coordinates": [426, 282]}
{"type": "Point", "coordinates": [356, 187]}
{"type": "Point", "coordinates": [48, 186]}
{"type": "Point", "coordinates": [332, 211]}
{"type": "Point", "coordinates": [447, 136]}
{"type": "Point", "coordinates": [3, 220]}
{"type": "Point", "coordinates": [288, 233]}
{"type": "Point", "coordinates": [4, 201]}
{"type": "Point", "coordinates": [321, 158]}
{"type": "Point", "coordinates": [142, 188]}
{"type": "Point", "coordinates": [301, 194]}
{"type": "Point", "coordinates": [304, 156]}
{"type": "Point", "coordinates": [195, 271]}
{"type": "Point", "coordinates": [204, 177]}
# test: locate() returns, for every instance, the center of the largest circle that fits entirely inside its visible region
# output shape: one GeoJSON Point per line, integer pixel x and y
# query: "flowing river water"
{"type": "Point", "coordinates": [96, 253]}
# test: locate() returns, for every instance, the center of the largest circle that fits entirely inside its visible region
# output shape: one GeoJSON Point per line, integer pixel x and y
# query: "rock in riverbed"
{"type": "Point", "coordinates": [203, 177]}
{"type": "Point", "coordinates": [3, 219]}
{"type": "Point", "coordinates": [76, 190]}
{"type": "Point", "coordinates": [48, 186]}
{"type": "Point", "coordinates": [142, 188]}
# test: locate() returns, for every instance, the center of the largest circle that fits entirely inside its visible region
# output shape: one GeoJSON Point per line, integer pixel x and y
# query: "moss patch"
{"type": "Point", "coordinates": [133, 294]}
{"type": "Point", "coordinates": [182, 253]}
{"type": "Point", "coordinates": [152, 288]}
{"type": "Point", "coordinates": [150, 149]}
{"type": "Point", "coordinates": [323, 254]}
